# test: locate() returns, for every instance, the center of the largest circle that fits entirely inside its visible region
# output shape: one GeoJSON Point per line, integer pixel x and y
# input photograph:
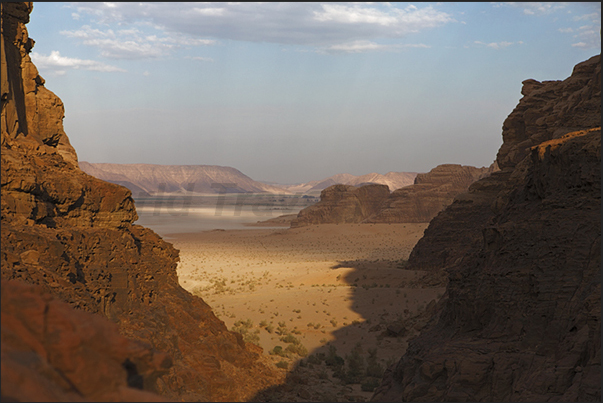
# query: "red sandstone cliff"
{"type": "Point", "coordinates": [429, 195]}
{"type": "Point", "coordinates": [343, 204]}
{"type": "Point", "coordinates": [521, 318]}
{"type": "Point", "coordinates": [71, 235]}
{"type": "Point", "coordinates": [420, 202]}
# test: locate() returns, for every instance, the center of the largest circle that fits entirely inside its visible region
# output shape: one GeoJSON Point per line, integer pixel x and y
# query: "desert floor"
{"type": "Point", "coordinates": [323, 285]}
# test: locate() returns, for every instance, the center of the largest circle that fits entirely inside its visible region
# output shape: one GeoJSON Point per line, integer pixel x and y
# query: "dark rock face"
{"type": "Point", "coordinates": [521, 316]}
{"type": "Point", "coordinates": [72, 236]}
{"type": "Point", "coordinates": [429, 195]}
{"type": "Point", "coordinates": [343, 204]}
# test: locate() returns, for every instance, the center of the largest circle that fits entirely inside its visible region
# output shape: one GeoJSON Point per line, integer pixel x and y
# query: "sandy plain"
{"type": "Point", "coordinates": [330, 284]}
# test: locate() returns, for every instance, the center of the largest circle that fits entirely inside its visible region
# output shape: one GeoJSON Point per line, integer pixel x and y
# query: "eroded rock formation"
{"type": "Point", "coordinates": [343, 204]}
{"type": "Point", "coordinates": [420, 202]}
{"type": "Point", "coordinates": [429, 195]}
{"type": "Point", "coordinates": [520, 320]}
{"type": "Point", "coordinates": [72, 236]}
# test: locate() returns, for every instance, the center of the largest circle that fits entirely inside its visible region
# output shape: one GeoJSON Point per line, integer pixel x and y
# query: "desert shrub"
{"type": "Point", "coordinates": [298, 349]}
{"type": "Point", "coordinates": [369, 384]}
{"type": "Point", "coordinates": [334, 322]}
{"type": "Point", "coordinates": [264, 323]}
{"type": "Point", "coordinates": [332, 359]}
{"type": "Point", "coordinates": [252, 337]}
{"type": "Point", "coordinates": [270, 328]}
{"type": "Point", "coordinates": [278, 350]}
{"type": "Point", "coordinates": [323, 375]}
{"type": "Point", "coordinates": [373, 368]}
{"type": "Point", "coordinates": [316, 358]}
{"type": "Point", "coordinates": [290, 339]}
{"type": "Point", "coordinates": [282, 364]}
{"type": "Point", "coordinates": [355, 365]}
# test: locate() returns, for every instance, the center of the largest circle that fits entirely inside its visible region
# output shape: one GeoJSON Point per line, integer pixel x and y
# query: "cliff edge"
{"type": "Point", "coordinates": [71, 237]}
{"type": "Point", "coordinates": [521, 318]}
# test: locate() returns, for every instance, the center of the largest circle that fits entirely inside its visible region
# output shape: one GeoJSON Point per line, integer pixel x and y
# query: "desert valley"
{"type": "Point", "coordinates": [148, 282]}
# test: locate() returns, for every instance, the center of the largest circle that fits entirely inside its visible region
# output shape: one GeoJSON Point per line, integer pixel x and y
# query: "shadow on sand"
{"type": "Point", "coordinates": [349, 367]}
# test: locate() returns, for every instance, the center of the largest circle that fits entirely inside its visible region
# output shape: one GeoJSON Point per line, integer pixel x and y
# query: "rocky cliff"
{"type": "Point", "coordinates": [520, 320]}
{"type": "Point", "coordinates": [420, 202]}
{"type": "Point", "coordinates": [71, 235]}
{"type": "Point", "coordinates": [343, 204]}
{"type": "Point", "coordinates": [430, 194]}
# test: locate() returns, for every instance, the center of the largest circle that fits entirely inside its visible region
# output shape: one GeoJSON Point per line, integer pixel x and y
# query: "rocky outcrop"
{"type": "Point", "coordinates": [151, 179]}
{"type": "Point", "coordinates": [420, 202]}
{"type": "Point", "coordinates": [52, 352]}
{"type": "Point", "coordinates": [341, 204]}
{"type": "Point", "coordinates": [72, 236]}
{"type": "Point", "coordinates": [520, 319]}
{"type": "Point", "coordinates": [429, 195]}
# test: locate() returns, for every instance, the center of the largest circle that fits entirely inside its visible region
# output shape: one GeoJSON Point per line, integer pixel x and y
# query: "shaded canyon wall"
{"type": "Point", "coordinates": [520, 320]}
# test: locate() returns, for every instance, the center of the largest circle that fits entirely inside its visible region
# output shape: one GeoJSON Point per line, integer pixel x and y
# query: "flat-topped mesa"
{"type": "Point", "coordinates": [521, 250]}
{"type": "Point", "coordinates": [341, 204]}
{"type": "Point", "coordinates": [429, 195]}
{"type": "Point", "coordinates": [72, 236]}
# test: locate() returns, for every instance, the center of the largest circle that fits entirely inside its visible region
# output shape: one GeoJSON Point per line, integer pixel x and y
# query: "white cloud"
{"type": "Point", "coordinates": [592, 16]}
{"type": "Point", "coordinates": [131, 43]}
{"type": "Point", "coordinates": [535, 8]}
{"type": "Point", "coordinates": [59, 64]}
{"type": "Point", "coordinates": [566, 30]}
{"type": "Point", "coordinates": [497, 45]}
{"type": "Point", "coordinates": [310, 24]}
{"type": "Point", "coordinates": [201, 59]}
{"type": "Point", "coordinates": [589, 37]}
{"type": "Point", "coordinates": [366, 46]}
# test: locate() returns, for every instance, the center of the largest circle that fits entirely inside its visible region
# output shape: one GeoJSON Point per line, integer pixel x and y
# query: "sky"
{"type": "Point", "coordinates": [294, 92]}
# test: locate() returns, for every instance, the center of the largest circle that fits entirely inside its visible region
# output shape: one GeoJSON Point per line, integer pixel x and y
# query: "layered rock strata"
{"type": "Point", "coordinates": [520, 320]}
{"type": "Point", "coordinates": [429, 195]}
{"type": "Point", "coordinates": [72, 236]}
{"type": "Point", "coordinates": [341, 204]}
{"type": "Point", "coordinates": [420, 202]}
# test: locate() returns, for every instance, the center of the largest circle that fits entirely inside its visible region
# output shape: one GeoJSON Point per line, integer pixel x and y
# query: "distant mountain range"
{"type": "Point", "coordinates": [150, 179]}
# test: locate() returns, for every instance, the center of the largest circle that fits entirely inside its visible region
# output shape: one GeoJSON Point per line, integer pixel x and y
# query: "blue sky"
{"type": "Point", "coordinates": [293, 92]}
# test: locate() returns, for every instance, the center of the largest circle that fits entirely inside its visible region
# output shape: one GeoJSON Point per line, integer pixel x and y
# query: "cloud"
{"type": "Point", "coordinates": [309, 24]}
{"type": "Point", "coordinates": [201, 59]}
{"type": "Point", "coordinates": [592, 16]}
{"type": "Point", "coordinates": [131, 43]}
{"type": "Point", "coordinates": [589, 37]}
{"type": "Point", "coordinates": [497, 45]}
{"type": "Point", "coordinates": [365, 46]}
{"type": "Point", "coordinates": [59, 64]}
{"type": "Point", "coordinates": [535, 8]}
